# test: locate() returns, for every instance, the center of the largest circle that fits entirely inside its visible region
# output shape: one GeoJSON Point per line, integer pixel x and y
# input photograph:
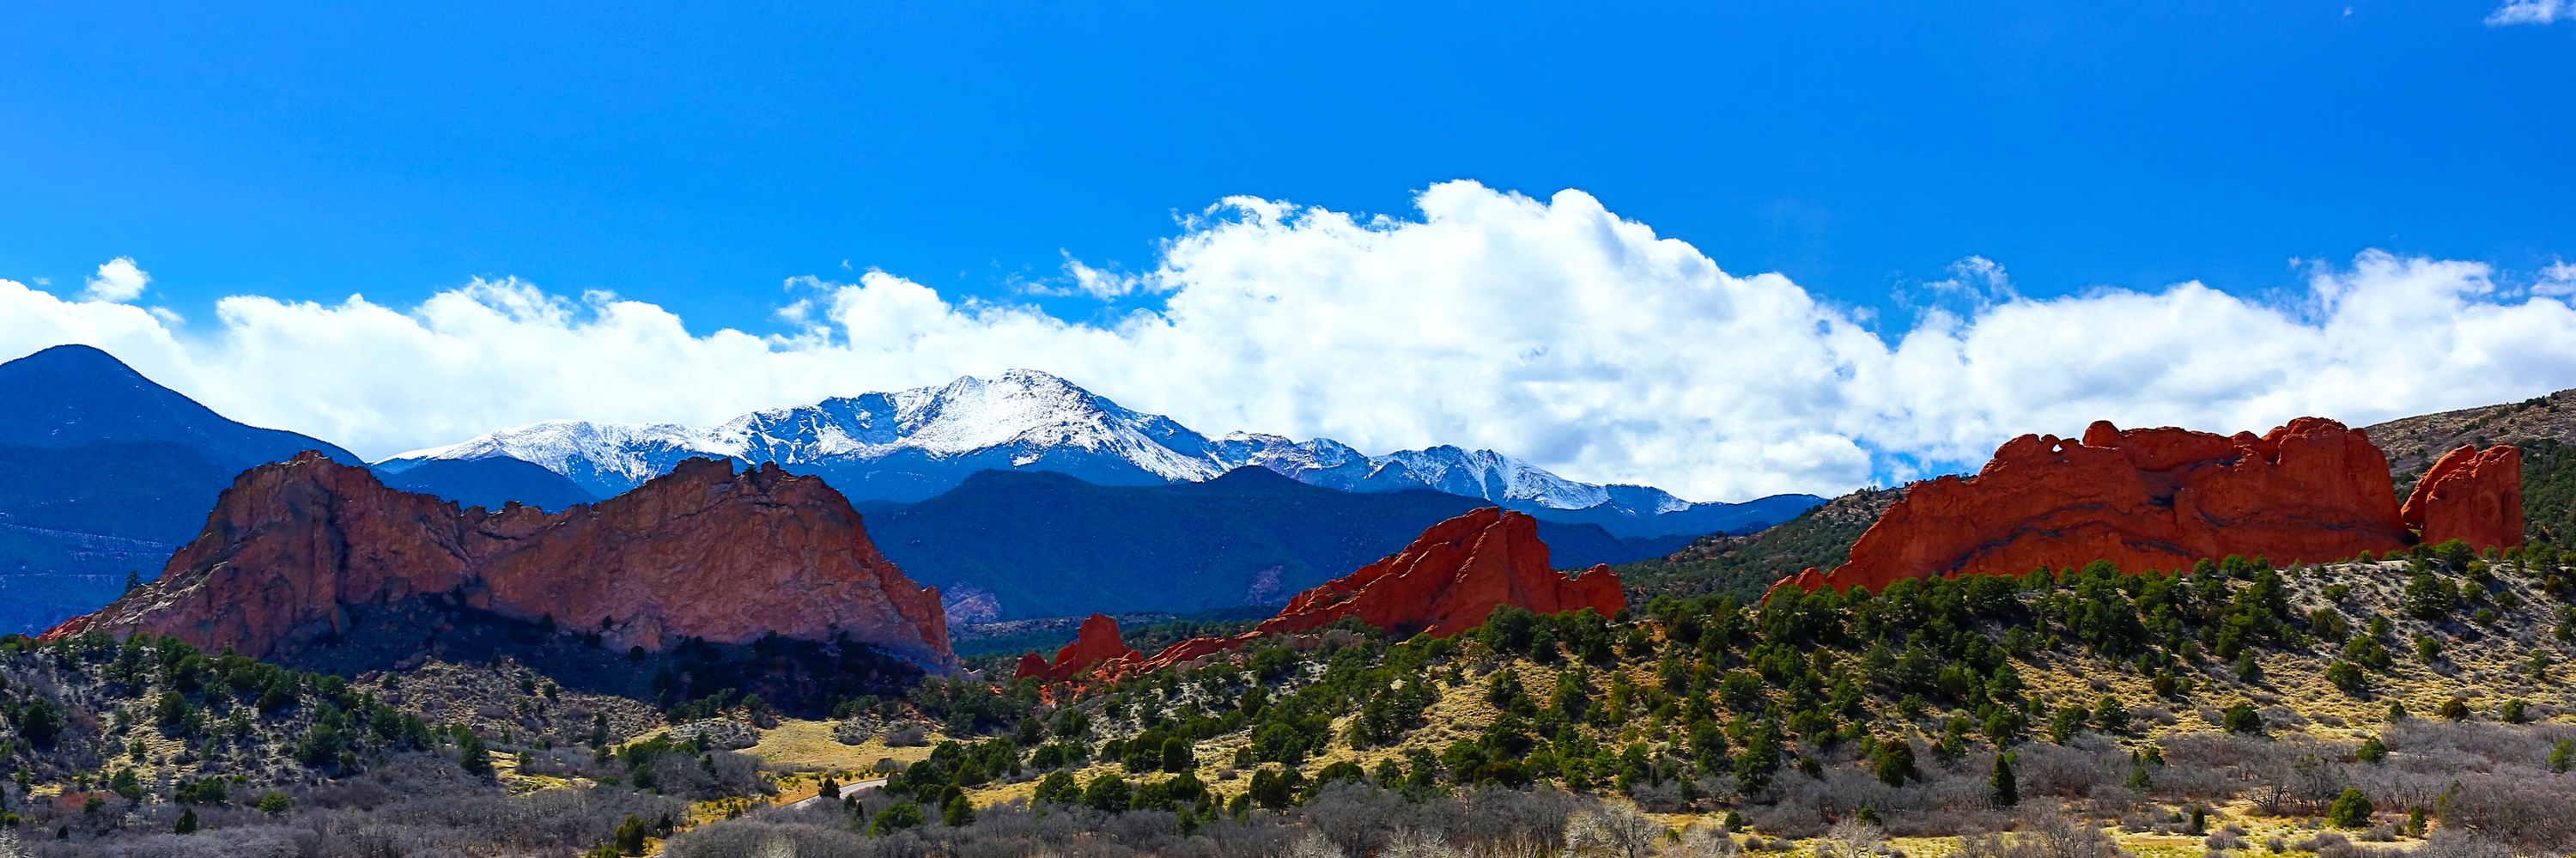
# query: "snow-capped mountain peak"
{"type": "Point", "coordinates": [909, 445]}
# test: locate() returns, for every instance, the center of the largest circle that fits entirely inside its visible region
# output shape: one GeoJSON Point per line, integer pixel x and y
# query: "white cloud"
{"type": "Point", "coordinates": [2557, 279]}
{"type": "Point", "coordinates": [2541, 12]}
{"type": "Point", "coordinates": [1549, 329]}
{"type": "Point", "coordinates": [117, 281]}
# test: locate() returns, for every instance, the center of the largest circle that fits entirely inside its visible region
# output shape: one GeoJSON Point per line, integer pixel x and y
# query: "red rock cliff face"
{"type": "Point", "coordinates": [1097, 642]}
{"type": "Point", "coordinates": [2310, 491]}
{"type": "Point", "coordinates": [1448, 581]}
{"type": "Point", "coordinates": [699, 552]}
{"type": "Point", "coordinates": [1451, 578]}
{"type": "Point", "coordinates": [2471, 496]}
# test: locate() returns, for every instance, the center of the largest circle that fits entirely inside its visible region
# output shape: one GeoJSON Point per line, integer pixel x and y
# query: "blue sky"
{"type": "Point", "coordinates": [2002, 162]}
{"type": "Point", "coordinates": [696, 156]}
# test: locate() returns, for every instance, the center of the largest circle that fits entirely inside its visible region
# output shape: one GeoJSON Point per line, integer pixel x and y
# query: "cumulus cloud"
{"type": "Point", "coordinates": [1549, 329]}
{"type": "Point", "coordinates": [117, 281]}
{"type": "Point", "coordinates": [2557, 279]}
{"type": "Point", "coordinates": [2542, 12]}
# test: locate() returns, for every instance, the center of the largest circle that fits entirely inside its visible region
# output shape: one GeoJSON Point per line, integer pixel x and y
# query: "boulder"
{"type": "Point", "coordinates": [700, 552]}
{"type": "Point", "coordinates": [2472, 496]}
{"type": "Point", "coordinates": [2314, 490]}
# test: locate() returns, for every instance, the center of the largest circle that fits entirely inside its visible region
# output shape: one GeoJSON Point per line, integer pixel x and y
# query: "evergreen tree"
{"type": "Point", "coordinates": [2429, 597]}
{"type": "Point", "coordinates": [2241, 718]}
{"type": "Point", "coordinates": [472, 754]}
{"type": "Point", "coordinates": [2351, 810]}
{"type": "Point", "coordinates": [2007, 792]}
{"type": "Point", "coordinates": [1895, 762]}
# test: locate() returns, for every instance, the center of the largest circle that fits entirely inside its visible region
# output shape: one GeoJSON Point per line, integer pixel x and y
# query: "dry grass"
{"type": "Point", "coordinates": [808, 746]}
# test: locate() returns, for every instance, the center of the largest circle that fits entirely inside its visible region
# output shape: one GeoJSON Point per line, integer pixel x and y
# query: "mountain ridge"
{"type": "Point", "coordinates": [911, 445]}
{"type": "Point", "coordinates": [1011, 545]}
{"type": "Point", "coordinates": [102, 469]}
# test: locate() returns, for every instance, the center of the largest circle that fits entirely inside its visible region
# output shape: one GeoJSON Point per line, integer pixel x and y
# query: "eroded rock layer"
{"type": "Point", "coordinates": [700, 552]}
{"type": "Point", "coordinates": [1451, 578]}
{"type": "Point", "coordinates": [1448, 581]}
{"type": "Point", "coordinates": [2143, 499]}
{"type": "Point", "coordinates": [2312, 491]}
{"type": "Point", "coordinates": [2470, 495]}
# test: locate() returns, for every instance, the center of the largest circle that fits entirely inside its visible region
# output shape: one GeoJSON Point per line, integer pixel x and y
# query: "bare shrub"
{"type": "Point", "coordinates": [2454, 844]}
{"type": "Point", "coordinates": [2046, 834]}
{"type": "Point", "coordinates": [2075, 770]}
{"type": "Point", "coordinates": [1853, 838]}
{"type": "Point", "coordinates": [1703, 842]}
{"type": "Point", "coordinates": [1611, 831]}
{"type": "Point", "coordinates": [1663, 797]}
{"type": "Point", "coordinates": [1419, 844]}
{"type": "Point", "coordinates": [2528, 813]}
{"type": "Point", "coordinates": [1313, 845]}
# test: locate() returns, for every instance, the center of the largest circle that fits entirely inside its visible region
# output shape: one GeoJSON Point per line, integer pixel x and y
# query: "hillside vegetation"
{"type": "Point", "coordinates": [149, 747]}
{"type": "Point", "coordinates": [2414, 442]}
{"type": "Point", "coordinates": [1744, 566]}
{"type": "Point", "coordinates": [2238, 707]}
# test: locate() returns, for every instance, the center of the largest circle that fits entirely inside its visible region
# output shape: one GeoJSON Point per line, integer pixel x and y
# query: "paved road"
{"type": "Point", "coordinates": [847, 790]}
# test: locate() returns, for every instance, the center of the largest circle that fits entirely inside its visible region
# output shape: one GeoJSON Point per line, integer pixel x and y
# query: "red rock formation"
{"type": "Point", "coordinates": [2143, 499]}
{"type": "Point", "coordinates": [1450, 578]}
{"type": "Point", "coordinates": [699, 552]}
{"type": "Point", "coordinates": [1448, 581]}
{"type": "Point", "coordinates": [2471, 496]}
{"type": "Point", "coordinates": [1097, 642]}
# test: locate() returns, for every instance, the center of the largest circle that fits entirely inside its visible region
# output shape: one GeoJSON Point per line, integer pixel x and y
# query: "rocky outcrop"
{"type": "Point", "coordinates": [1097, 642]}
{"type": "Point", "coordinates": [2470, 495]}
{"type": "Point", "coordinates": [2311, 491]}
{"type": "Point", "coordinates": [700, 552]}
{"type": "Point", "coordinates": [1448, 581]}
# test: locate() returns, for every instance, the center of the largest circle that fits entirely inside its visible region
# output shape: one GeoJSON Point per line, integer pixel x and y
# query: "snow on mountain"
{"type": "Point", "coordinates": [1023, 410]}
{"type": "Point", "coordinates": [605, 458]}
{"type": "Point", "coordinates": [913, 444]}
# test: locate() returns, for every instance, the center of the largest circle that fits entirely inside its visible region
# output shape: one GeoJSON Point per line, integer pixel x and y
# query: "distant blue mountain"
{"type": "Point", "coordinates": [103, 472]}
{"type": "Point", "coordinates": [1640, 511]}
{"type": "Point", "coordinates": [1022, 544]}
{"type": "Point", "coordinates": [490, 483]}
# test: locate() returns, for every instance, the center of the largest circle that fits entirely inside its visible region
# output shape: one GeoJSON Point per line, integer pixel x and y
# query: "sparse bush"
{"type": "Point", "coordinates": [2241, 718]}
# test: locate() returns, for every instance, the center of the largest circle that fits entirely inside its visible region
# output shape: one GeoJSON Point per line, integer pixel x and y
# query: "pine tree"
{"type": "Point", "coordinates": [1895, 759]}
{"type": "Point", "coordinates": [2351, 810]}
{"type": "Point", "coordinates": [472, 754]}
{"type": "Point", "coordinates": [2007, 792]}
